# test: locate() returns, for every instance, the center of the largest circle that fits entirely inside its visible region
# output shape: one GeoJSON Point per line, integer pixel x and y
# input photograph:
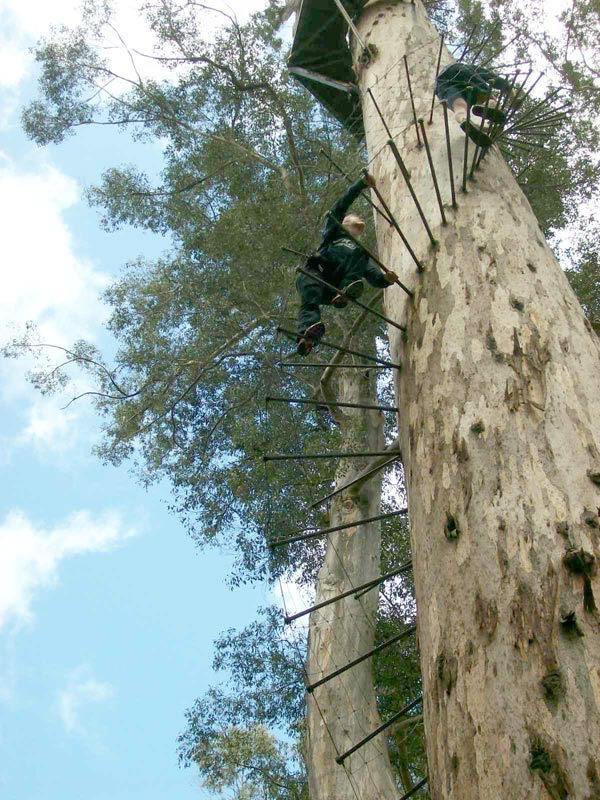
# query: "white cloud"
{"type": "Point", "coordinates": [46, 427]}
{"type": "Point", "coordinates": [34, 17]}
{"type": "Point", "coordinates": [26, 21]}
{"type": "Point", "coordinates": [22, 23]}
{"type": "Point", "coordinates": [9, 108]}
{"type": "Point", "coordinates": [44, 280]}
{"type": "Point", "coordinates": [82, 690]}
{"type": "Point", "coordinates": [55, 431]}
{"type": "Point", "coordinates": [30, 556]}
{"type": "Point", "coordinates": [13, 64]}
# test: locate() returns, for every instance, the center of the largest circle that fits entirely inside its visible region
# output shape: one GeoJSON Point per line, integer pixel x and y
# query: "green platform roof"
{"type": "Point", "coordinates": [321, 59]}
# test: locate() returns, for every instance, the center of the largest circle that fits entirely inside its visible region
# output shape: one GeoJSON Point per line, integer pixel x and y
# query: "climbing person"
{"type": "Point", "coordinates": [339, 261]}
{"type": "Point", "coordinates": [467, 85]}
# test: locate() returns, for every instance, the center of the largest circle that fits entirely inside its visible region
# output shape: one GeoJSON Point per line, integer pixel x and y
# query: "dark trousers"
{"type": "Point", "coordinates": [468, 81]}
{"type": "Point", "coordinates": [313, 294]}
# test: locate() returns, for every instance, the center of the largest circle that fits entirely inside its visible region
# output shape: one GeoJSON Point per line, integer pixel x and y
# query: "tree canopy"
{"type": "Point", "coordinates": [243, 173]}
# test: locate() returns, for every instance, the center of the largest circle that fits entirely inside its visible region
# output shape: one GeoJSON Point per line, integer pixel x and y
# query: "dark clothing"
{"type": "Point", "coordinates": [339, 261]}
{"type": "Point", "coordinates": [468, 81]}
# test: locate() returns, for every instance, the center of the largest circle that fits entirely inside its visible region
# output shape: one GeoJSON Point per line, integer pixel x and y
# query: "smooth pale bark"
{"type": "Point", "coordinates": [341, 712]}
{"type": "Point", "coordinates": [500, 418]}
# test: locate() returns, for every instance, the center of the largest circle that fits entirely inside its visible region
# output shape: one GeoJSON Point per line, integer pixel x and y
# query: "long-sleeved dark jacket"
{"type": "Point", "coordinates": [338, 255]}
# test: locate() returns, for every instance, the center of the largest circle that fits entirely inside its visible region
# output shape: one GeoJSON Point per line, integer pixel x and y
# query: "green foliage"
{"type": "Point", "coordinates": [227, 732]}
{"type": "Point", "coordinates": [584, 276]}
{"type": "Point", "coordinates": [481, 30]}
{"type": "Point", "coordinates": [196, 336]}
{"type": "Point", "coordinates": [396, 670]}
{"type": "Point", "coordinates": [250, 764]}
{"type": "Point", "coordinates": [241, 175]}
{"type": "Point", "coordinates": [68, 63]}
{"type": "Point", "coordinates": [565, 172]}
{"type": "Point", "coordinates": [264, 684]}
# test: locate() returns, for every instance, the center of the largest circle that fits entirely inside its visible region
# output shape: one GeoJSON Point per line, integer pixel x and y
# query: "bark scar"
{"type": "Point", "coordinates": [528, 387]}
{"type": "Point", "coordinates": [486, 614]}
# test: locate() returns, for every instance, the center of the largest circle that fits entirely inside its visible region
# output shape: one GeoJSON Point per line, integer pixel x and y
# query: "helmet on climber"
{"type": "Point", "coordinates": [354, 224]}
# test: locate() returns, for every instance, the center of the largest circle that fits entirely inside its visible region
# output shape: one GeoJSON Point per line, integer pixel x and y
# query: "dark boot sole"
{"type": "Point", "coordinates": [492, 114]}
{"type": "Point", "coordinates": [476, 135]}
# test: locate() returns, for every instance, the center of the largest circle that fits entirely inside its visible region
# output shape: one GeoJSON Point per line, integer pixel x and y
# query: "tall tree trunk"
{"type": "Point", "coordinates": [500, 415]}
{"type": "Point", "coordinates": [342, 711]}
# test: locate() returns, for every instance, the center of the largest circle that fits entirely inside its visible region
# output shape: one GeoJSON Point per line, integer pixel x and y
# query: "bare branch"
{"type": "Point", "coordinates": [253, 86]}
{"type": "Point", "coordinates": [84, 360]}
{"type": "Point", "coordinates": [206, 367]}
{"type": "Point", "coordinates": [182, 189]}
{"type": "Point", "coordinates": [91, 393]}
{"type": "Point", "coordinates": [129, 53]}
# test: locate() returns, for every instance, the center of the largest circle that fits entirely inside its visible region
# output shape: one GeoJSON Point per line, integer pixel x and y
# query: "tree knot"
{"type": "Point", "coordinates": [540, 760]}
{"type": "Point", "coordinates": [569, 624]}
{"type": "Point", "coordinates": [553, 686]}
{"type": "Point", "coordinates": [549, 770]}
{"type": "Point", "coordinates": [594, 476]}
{"type": "Point", "coordinates": [580, 562]}
{"type": "Point", "coordinates": [451, 529]}
{"type": "Point", "coordinates": [447, 670]}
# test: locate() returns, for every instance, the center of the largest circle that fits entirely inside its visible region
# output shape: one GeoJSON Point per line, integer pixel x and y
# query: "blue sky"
{"type": "Point", "coordinates": [107, 611]}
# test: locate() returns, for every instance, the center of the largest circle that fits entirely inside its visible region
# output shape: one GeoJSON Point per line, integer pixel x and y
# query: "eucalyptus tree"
{"type": "Point", "coordinates": [251, 764]}
{"type": "Point", "coordinates": [242, 174]}
{"type": "Point", "coordinates": [500, 439]}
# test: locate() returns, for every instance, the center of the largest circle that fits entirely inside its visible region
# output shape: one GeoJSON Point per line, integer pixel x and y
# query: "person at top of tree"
{"type": "Point", "coordinates": [339, 261]}
{"type": "Point", "coordinates": [467, 85]}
